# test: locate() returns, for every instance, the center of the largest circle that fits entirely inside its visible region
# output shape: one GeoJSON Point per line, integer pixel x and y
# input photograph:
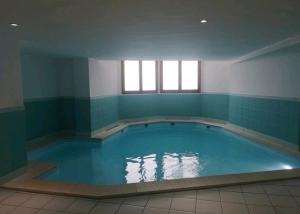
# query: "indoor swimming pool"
{"type": "Point", "coordinates": [156, 152]}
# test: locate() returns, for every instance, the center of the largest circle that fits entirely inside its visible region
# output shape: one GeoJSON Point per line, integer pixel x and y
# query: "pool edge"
{"type": "Point", "coordinates": [247, 133]}
{"type": "Point", "coordinates": [28, 182]}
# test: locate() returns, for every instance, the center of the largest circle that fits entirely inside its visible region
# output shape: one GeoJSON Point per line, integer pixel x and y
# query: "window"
{"type": "Point", "coordinates": [170, 75]}
{"type": "Point", "coordinates": [139, 76]}
{"type": "Point", "coordinates": [131, 76]}
{"type": "Point", "coordinates": [180, 76]}
{"type": "Point", "coordinates": [149, 75]}
{"type": "Point", "coordinates": [189, 75]}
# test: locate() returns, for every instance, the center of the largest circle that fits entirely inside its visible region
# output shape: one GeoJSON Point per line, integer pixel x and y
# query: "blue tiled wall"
{"type": "Point", "coordinates": [132, 106]}
{"type": "Point", "coordinates": [12, 141]}
{"type": "Point", "coordinates": [215, 106]}
{"type": "Point", "coordinates": [67, 113]}
{"type": "Point", "coordinates": [104, 111]}
{"type": "Point", "coordinates": [83, 115]}
{"type": "Point", "coordinates": [42, 117]}
{"type": "Point", "coordinates": [275, 117]}
{"type": "Point", "coordinates": [48, 116]}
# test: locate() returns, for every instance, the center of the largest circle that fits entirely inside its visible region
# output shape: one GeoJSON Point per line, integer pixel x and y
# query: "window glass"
{"type": "Point", "coordinates": [140, 76]}
{"type": "Point", "coordinates": [189, 75]}
{"type": "Point", "coordinates": [131, 75]}
{"type": "Point", "coordinates": [170, 75]}
{"type": "Point", "coordinates": [149, 75]}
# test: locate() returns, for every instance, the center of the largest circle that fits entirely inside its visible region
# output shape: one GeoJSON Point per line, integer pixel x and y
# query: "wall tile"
{"type": "Point", "coordinates": [104, 111]}
{"type": "Point", "coordinates": [275, 117]}
{"type": "Point", "coordinates": [12, 141]}
{"type": "Point", "coordinates": [67, 113]}
{"type": "Point", "coordinates": [48, 116]}
{"type": "Point", "coordinates": [83, 115]}
{"type": "Point", "coordinates": [132, 106]}
{"type": "Point", "coordinates": [42, 117]}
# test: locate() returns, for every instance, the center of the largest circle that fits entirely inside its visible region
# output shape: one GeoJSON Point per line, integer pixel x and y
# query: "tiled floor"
{"type": "Point", "coordinates": [281, 197]}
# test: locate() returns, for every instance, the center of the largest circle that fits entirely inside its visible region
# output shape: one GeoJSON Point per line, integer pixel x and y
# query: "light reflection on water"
{"type": "Point", "coordinates": [141, 169]}
{"type": "Point", "coordinates": [169, 166]}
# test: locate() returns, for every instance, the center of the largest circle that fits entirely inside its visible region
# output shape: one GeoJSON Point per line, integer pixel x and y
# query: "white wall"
{"type": "Point", "coordinates": [215, 76]}
{"type": "Point", "coordinates": [275, 74]}
{"type": "Point", "coordinates": [66, 77]}
{"type": "Point", "coordinates": [46, 77]}
{"type": "Point", "coordinates": [105, 77]}
{"type": "Point", "coordinates": [10, 74]}
{"type": "Point", "coordinates": [40, 77]}
{"type": "Point", "coordinates": [81, 77]}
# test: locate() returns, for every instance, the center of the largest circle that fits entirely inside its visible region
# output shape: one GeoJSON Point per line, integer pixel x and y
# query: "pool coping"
{"type": "Point", "coordinates": [28, 181]}
{"type": "Point", "coordinates": [249, 134]}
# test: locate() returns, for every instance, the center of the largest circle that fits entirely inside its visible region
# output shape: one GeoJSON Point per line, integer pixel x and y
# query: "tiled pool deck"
{"type": "Point", "coordinates": [259, 198]}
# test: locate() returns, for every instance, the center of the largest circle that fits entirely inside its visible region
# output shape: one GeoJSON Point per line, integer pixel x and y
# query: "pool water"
{"type": "Point", "coordinates": [160, 151]}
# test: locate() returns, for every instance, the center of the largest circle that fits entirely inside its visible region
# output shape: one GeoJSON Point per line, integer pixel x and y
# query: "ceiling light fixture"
{"type": "Point", "coordinates": [14, 25]}
{"type": "Point", "coordinates": [203, 21]}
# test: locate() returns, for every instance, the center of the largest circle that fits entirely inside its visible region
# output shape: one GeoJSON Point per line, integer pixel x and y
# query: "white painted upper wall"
{"type": "Point", "coordinates": [40, 76]}
{"type": "Point", "coordinates": [46, 77]}
{"type": "Point", "coordinates": [66, 77]}
{"type": "Point", "coordinates": [105, 77]}
{"type": "Point", "coordinates": [215, 76]}
{"type": "Point", "coordinates": [275, 74]}
{"type": "Point", "coordinates": [81, 77]}
{"type": "Point", "coordinates": [10, 74]}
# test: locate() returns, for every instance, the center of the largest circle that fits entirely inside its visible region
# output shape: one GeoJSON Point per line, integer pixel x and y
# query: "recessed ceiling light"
{"type": "Point", "coordinates": [14, 25]}
{"type": "Point", "coordinates": [203, 21]}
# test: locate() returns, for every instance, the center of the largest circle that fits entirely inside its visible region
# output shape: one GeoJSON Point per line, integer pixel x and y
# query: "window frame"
{"type": "Point", "coordinates": [180, 90]}
{"type": "Point", "coordinates": [140, 91]}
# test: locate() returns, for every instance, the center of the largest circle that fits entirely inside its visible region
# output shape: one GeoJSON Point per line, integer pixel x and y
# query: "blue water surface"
{"type": "Point", "coordinates": [160, 151]}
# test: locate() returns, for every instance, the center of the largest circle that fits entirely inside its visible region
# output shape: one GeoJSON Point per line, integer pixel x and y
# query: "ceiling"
{"type": "Point", "coordinates": [114, 29]}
